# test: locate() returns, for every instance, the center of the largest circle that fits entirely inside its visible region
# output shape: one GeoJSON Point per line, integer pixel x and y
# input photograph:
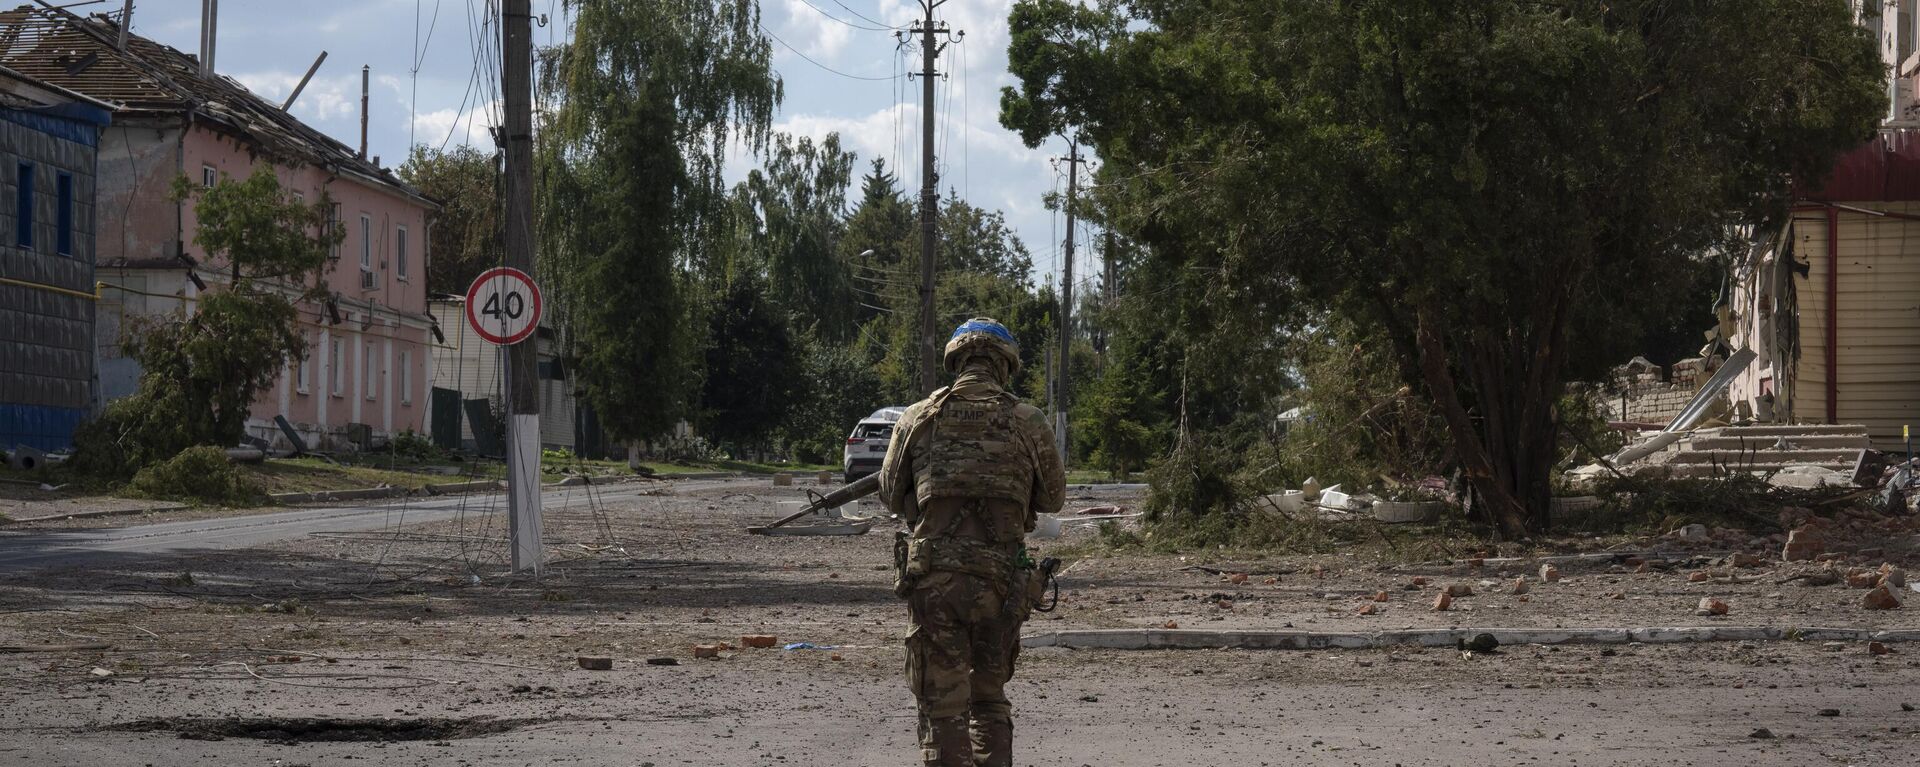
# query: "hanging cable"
{"type": "Point", "coordinates": [809, 60]}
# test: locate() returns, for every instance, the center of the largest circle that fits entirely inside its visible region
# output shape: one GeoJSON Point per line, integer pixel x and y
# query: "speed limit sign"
{"type": "Point", "coordinates": [503, 305]}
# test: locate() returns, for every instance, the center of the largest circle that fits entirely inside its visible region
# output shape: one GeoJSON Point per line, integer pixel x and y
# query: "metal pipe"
{"type": "Point", "coordinates": [213, 36]}
{"type": "Point", "coordinates": [1833, 314]}
{"type": "Point", "coordinates": [303, 82]}
{"type": "Point", "coordinates": [364, 69]}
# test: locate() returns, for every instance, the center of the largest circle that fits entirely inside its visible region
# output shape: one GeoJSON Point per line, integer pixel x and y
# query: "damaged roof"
{"type": "Point", "coordinates": [80, 54]}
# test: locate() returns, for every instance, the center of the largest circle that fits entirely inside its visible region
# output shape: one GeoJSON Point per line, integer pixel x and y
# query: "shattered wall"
{"type": "Point", "coordinates": [1642, 392]}
{"type": "Point", "coordinates": [46, 277]}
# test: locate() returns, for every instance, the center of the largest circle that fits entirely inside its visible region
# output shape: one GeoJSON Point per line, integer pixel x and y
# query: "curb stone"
{"type": "Point", "coordinates": [1196, 639]}
{"type": "Point", "coordinates": [97, 513]}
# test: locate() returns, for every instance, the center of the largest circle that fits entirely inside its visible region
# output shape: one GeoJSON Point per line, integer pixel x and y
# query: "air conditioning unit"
{"type": "Point", "coordinates": [366, 280]}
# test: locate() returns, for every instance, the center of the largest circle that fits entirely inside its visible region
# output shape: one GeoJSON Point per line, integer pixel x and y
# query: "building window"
{"type": "Point", "coordinates": [63, 236]}
{"type": "Point", "coordinates": [406, 378]}
{"type": "Point", "coordinates": [373, 371]}
{"type": "Point", "coordinates": [337, 375]}
{"type": "Point", "coordinates": [23, 207]}
{"type": "Point", "coordinates": [303, 368]}
{"type": "Point", "coordinates": [400, 254]}
{"type": "Point", "coordinates": [366, 243]}
{"type": "Point", "coordinates": [300, 198]}
{"type": "Point", "coordinates": [209, 176]}
{"type": "Point", "coordinates": [333, 229]}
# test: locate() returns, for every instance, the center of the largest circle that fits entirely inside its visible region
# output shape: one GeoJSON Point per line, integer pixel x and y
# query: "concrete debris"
{"type": "Point", "coordinates": [1549, 573]}
{"type": "Point", "coordinates": [1711, 606]}
{"type": "Point", "coordinates": [1695, 533]}
{"type": "Point", "coordinates": [1761, 734]}
{"type": "Point", "coordinates": [1802, 545]}
{"type": "Point", "coordinates": [706, 651]}
{"type": "Point", "coordinates": [1459, 590]}
{"type": "Point", "coordinates": [1520, 586]}
{"type": "Point", "coordinates": [1699, 576]}
{"type": "Point", "coordinates": [1893, 577]}
{"type": "Point", "coordinates": [1880, 598]}
{"type": "Point", "coordinates": [1863, 579]}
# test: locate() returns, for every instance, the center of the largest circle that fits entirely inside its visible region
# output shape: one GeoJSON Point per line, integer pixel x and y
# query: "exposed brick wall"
{"type": "Point", "coordinates": [1640, 391]}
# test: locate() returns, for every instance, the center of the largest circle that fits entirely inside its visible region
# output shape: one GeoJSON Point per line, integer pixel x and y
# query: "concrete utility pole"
{"type": "Point", "coordinates": [1066, 305]}
{"type": "Point", "coordinates": [522, 369]}
{"type": "Point", "coordinates": [365, 72]}
{"type": "Point", "coordinates": [929, 198]}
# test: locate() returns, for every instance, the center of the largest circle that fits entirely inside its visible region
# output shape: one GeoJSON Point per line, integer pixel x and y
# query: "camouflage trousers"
{"type": "Point", "coordinates": [961, 645]}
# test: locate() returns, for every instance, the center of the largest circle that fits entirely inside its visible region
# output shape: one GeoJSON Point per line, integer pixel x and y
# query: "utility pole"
{"type": "Point", "coordinates": [209, 34]}
{"type": "Point", "coordinates": [1066, 305]}
{"type": "Point", "coordinates": [929, 197]}
{"type": "Point", "coordinates": [523, 397]}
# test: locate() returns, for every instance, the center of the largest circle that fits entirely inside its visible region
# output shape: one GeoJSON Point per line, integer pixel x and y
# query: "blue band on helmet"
{"type": "Point", "coordinates": [994, 329]}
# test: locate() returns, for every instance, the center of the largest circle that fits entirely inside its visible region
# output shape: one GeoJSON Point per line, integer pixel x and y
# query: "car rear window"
{"type": "Point", "coordinates": [873, 431]}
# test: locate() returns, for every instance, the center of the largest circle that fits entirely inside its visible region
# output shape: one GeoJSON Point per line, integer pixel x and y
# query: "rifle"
{"type": "Point", "coordinates": [867, 485]}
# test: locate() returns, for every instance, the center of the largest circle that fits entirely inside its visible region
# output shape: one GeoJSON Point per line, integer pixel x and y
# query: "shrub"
{"type": "Point", "coordinates": [200, 474]}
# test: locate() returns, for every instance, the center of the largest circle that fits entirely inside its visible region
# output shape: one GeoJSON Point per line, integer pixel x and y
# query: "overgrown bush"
{"type": "Point", "coordinates": [200, 474]}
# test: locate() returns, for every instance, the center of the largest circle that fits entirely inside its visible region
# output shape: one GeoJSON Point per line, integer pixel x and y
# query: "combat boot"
{"type": "Point", "coordinates": [946, 743]}
{"type": "Point", "coordinates": [993, 743]}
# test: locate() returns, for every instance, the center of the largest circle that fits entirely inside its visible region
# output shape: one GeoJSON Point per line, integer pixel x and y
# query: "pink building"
{"type": "Point", "coordinates": [367, 363]}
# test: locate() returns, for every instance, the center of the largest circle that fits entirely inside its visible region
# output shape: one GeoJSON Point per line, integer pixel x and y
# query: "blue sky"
{"type": "Point", "coordinates": [267, 45]}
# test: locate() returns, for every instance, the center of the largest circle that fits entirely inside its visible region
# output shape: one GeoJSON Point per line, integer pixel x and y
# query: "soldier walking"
{"type": "Point", "coordinates": [968, 469]}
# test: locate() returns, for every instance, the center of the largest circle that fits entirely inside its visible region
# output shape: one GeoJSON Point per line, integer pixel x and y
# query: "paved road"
{"type": "Point", "coordinates": [68, 547]}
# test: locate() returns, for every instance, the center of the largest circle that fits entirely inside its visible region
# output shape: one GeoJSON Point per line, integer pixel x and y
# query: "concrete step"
{"type": "Point", "coordinates": [1709, 470]}
{"type": "Point", "coordinates": [1802, 441]}
{"type": "Point", "coordinates": [1784, 430]}
{"type": "Point", "coordinates": [1782, 457]}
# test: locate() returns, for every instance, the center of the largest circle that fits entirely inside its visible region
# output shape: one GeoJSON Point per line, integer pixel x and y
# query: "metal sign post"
{"type": "Point", "coordinates": [503, 307]}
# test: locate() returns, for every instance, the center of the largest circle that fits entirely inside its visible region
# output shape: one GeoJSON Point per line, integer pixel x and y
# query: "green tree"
{"type": "Point", "coordinates": [646, 100]}
{"type": "Point", "coordinates": [202, 371]}
{"type": "Point", "coordinates": [466, 237]}
{"type": "Point", "coordinates": [799, 197]}
{"type": "Point", "coordinates": [753, 369]}
{"type": "Point", "coordinates": [1493, 185]}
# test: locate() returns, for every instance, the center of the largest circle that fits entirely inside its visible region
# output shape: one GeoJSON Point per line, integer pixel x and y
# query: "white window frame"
{"type": "Point", "coordinates": [366, 242]}
{"type": "Point", "coordinates": [338, 358]}
{"type": "Point", "coordinates": [406, 377]}
{"type": "Point", "coordinates": [303, 368]}
{"type": "Point", "coordinates": [333, 226]}
{"type": "Point", "coordinates": [371, 365]}
{"type": "Point", "coordinates": [400, 253]}
{"type": "Point", "coordinates": [209, 176]}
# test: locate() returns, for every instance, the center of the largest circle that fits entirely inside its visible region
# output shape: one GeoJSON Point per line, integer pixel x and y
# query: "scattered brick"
{"type": "Point", "coordinates": [1711, 606]}
{"type": "Point", "coordinates": [1520, 585]}
{"type": "Point", "coordinates": [1892, 576]}
{"type": "Point", "coordinates": [1380, 596]}
{"type": "Point", "coordinates": [595, 662]}
{"type": "Point", "coordinates": [1367, 609]}
{"type": "Point", "coordinates": [1863, 579]}
{"type": "Point", "coordinates": [1880, 598]}
{"type": "Point", "coordinates": [758, 640]}
{"type": "Point", "coordinates": [1640, 568]}
{"type": "Point", "coordinates": [1419, 581]}
{"type": "Point", "coordinates": [1879, 648]}
{"type": "Point", "coordinates": [1459, 590]}
{"type": "Point", "coordinates": [1803, 544]}
{"type": "Point", "coordinates": [1238, 577]}
{"type": "Point", "coordinates": [706, 651]}
{"type": "Point", "coordinates": [1170, 625]}
{"type": "Point", "coordinates": [1443, 602]}
{"type": "Point", "coordinates": [1698, 576]}
{"type": "Point", "coordinates": [1549, 573]}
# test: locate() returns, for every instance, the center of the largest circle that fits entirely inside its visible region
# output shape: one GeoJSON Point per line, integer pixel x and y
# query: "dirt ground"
{"type": "Point", "coordinates": [412, 646]}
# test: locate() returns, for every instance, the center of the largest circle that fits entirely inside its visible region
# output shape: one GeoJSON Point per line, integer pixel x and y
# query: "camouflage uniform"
{"type": "Point", "coordinates": [968, 469]}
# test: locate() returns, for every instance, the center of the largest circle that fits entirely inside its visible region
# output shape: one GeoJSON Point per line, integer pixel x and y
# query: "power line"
{"type": "Point", "coordinates": [809, 60]}
{"type": "Point", "coordinates": [862, 16]}
{"type": "Point", "coordinates": [823, 12]}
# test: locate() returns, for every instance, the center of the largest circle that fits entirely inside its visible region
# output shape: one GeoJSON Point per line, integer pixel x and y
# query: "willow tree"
{"type": "Point", "coordinates": [1502, 187]}
{"type": "Point", "coordinates": [640, 110]}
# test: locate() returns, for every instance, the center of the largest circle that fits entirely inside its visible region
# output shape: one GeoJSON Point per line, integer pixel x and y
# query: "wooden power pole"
{"type": "Point", "coordinates": [929, 197]}
{"type": "Point", "coordinates": [522, 369]}
{"type": "Point", "coordinates": [1066, 306]}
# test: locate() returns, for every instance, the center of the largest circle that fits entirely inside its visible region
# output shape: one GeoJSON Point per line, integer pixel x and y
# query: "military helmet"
{"type": "Point", "coordinates": [978, 335]}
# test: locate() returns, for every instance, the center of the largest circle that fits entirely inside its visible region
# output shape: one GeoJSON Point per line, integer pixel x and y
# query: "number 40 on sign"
{"type": "Point", "coordinates": [503, 306]}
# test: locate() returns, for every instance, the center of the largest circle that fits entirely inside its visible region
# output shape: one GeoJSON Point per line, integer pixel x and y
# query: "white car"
{"type": "Point", "coordinates": [867, 445]}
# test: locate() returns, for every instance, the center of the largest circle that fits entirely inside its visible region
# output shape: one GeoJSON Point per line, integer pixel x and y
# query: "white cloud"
{"type": "Point", "coordinates": [452, 125]}
{"type": "Point", "coordinates": [813, 33]}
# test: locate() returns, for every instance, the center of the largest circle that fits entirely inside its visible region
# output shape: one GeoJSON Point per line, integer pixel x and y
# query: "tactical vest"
{"type": "Point", "coordinates": [974, 451]}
